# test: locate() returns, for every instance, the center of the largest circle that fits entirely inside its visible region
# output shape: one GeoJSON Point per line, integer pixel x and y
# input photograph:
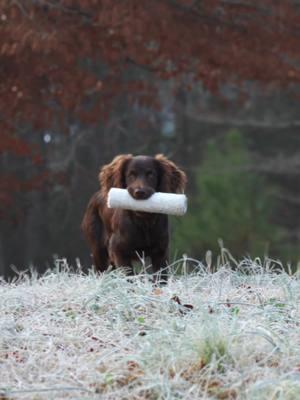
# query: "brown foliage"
{"type": "Point", "coordinates": [47, 49]}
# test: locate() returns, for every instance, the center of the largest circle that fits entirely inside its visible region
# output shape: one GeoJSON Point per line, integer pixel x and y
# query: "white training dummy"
{"type": "Point", "coordinates": [162, 203]}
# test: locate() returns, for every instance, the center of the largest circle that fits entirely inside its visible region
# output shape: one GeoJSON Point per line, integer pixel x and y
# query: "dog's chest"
{"type": "Point", "coordinates": [149, 233]}
{"type": "Point", "coordinates": [146, 235]}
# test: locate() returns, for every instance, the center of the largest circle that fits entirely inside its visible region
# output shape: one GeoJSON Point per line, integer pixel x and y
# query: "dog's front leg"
{"type": "Point", "coordinates": [119, 253]}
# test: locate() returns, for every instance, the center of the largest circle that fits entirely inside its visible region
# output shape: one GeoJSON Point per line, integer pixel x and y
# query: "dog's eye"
{"type": "Point", "coordinates": [132, 174]}
{"type": "Point", "coordinates": [150, 174]}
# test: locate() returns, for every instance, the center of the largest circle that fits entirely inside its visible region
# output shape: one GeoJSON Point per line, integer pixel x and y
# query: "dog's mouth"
{"type": "Point", "coordinates": [140, 193]}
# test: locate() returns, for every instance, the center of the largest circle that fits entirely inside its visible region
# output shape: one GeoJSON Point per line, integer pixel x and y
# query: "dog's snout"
{"type": "Point", "coordinates": [140, 194]}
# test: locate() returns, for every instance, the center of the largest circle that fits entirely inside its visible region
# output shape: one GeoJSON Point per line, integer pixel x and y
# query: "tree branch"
{"type": "Point", "coordinates": [247, 122]}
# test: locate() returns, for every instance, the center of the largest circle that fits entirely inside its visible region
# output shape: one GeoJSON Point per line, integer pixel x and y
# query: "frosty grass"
{"type": "Point", "coordinates": [68, 335]}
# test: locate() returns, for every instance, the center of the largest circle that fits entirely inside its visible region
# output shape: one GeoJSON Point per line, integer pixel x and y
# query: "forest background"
{"type": "Point", "coordinates": [212, 84]}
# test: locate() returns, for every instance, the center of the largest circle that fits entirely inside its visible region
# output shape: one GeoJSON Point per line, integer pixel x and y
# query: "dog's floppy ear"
{"type": "Point", "coordinates": [172, 179]}
{"type": "Point", "coordinates": [113, 174]}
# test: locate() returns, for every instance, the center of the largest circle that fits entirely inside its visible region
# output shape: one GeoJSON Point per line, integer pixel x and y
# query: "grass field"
{"type": "Point", "coordinates": [222, 335]}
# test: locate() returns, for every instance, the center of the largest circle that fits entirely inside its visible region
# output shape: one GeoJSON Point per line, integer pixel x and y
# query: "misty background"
{"type": "Point", "coordinates": [242, 160]}
{"type": "Point", "coordinates": [214, 86]}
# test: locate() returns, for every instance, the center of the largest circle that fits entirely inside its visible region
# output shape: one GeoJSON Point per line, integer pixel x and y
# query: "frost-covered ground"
{"type": "Point", "coordinates": [223, 335]}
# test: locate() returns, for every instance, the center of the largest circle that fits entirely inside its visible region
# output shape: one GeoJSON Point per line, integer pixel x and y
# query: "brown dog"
{"type": "Point", "coordinates": [115, 236]}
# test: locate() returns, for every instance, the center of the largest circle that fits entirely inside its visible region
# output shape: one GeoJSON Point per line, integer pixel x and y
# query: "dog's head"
{"type": "Point", "coordinates": [142, 176]}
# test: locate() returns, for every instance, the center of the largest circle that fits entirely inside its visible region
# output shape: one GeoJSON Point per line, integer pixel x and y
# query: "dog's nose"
{"type": "Point", "coordinates": [140, 194]}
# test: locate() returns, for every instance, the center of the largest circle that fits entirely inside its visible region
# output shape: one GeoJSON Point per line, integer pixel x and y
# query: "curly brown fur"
{"type": "Point", "coordinates": [115, 236]}
{"type": "Point", "coordinates": [173, 179]}
{"type": "Point", "coordinates": [112, 175]}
